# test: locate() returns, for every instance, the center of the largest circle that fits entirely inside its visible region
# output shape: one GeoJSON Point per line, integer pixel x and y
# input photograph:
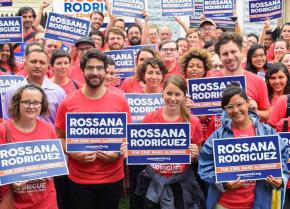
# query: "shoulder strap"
{"type": "Point", "coordinates": [75, 84]}
{"type": "Point", "coordinates": [29, 36]}
{"type": "Point", "coordinates": [288, 106]}
{"type": "Point", "coordinates": [7, 133]}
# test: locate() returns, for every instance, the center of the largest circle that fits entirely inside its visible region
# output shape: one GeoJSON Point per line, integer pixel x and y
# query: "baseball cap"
{"type": "Point", "coordinates": [85, 40]}
{"type": "Point", "coordinates": [207, 21]}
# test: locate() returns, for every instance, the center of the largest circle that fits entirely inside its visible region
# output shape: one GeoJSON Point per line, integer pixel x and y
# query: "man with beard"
{"type": "Point", "coordinates": [96, 19]}
{"type": "Point", "coordinates": [115, 38]}
{"type": "Point", "coordinates": [134, 34]}
{"type": "Point", "coordinates": [95, 178]}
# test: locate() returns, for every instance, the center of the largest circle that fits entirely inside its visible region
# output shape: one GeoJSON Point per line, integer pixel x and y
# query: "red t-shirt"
{"type": "Point", "coordinates": [243, 197]}
{"type": "Point", "coordinates": [132, 85]}
{"type": "Point", "coordinates": [76, 72]}
{"type": "Point", "coordinates": [98, 172]}
{"type": "Point", "coordinates": [278, 111]}
{"type": "Point", "coordinates": [37, 194]}
{"type": "Point", "coordinates": [256, 88]}
{"type": "Point", "coordinates": [175, 71]}
{"type": "Point", "coordinates": [196, 138]}
{"type": "Point", "coordinates": [71, 87]}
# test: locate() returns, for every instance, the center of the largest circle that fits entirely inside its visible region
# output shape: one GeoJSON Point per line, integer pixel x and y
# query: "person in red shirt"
{"type": "Point", "coordinates": [60, 62]}
{"type": "Point", "coordinates": [173, 111]}
{"type": "Point", "coordinates": [278, 81]}
{"type": "Point", "coordinates": [95, 178]}
{"type": "Point", "coordinates": [26, 105]}
{"type": "Point", "coordinates": [7, 60]}
{"type": "Point", "coordinates": [229, 48]}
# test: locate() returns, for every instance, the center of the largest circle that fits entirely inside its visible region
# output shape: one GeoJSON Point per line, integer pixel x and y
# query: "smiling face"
{"type": "Point", "coordinates": [278, 82]}
{"type": "Point", "coordinates": [280, 48]}
{"type": "Point", "coordinates": [30, 104]}
{"type": "Point", "coordinates": [173, 97]}
{"type": "Point", "coordinates": [286, 61]}
{"type": "Point", "coordinates": [195, 69]}
{"type": "Point", "coordinates": [231, 56]}
{"type": "Point", "coordinates": [237, 110]}
{"type": "Point", "coordinates": [27, 19]}
{"type": "Point", "coordinates": [5, 53]}
{"type": "Point", "coordinates": [259, 59]}
{"type": "Point", "coordinates": [94, 73]}
{"type": "Point", "coordinates": [153, 77]}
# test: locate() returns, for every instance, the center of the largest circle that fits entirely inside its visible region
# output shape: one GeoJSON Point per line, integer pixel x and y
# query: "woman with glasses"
{"type": "Point", "coordinates": [237, 122]}
{"type": "Point", "coordinates": [26, 106]}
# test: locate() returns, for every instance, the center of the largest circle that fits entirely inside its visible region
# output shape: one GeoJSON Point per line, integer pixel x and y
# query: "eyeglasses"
{"type": "Point", "coordinates": [259, 55]}
{"type": "Point", "coordinates": [92, 68]}
{"type": "Point", "coordinates": [28, 103]}
{"type": "Point", "coordinates": [168, 49]}
{"type": "Point", "coordinates": [231, 107]}
{"type": "Point", "coordinates": [218, 66]}
{"type": "Point", "coordinates": [207, 28]}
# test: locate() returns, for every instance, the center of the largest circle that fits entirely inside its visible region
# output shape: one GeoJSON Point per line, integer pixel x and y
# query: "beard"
{"type": "Point", "coordinates": [94, 84]}
{"type": "Point", "coordinates": [134, 41]}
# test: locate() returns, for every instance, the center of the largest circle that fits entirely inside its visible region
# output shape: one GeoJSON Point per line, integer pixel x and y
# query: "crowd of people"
{"type": "Point", "coordinates": [83, 78]}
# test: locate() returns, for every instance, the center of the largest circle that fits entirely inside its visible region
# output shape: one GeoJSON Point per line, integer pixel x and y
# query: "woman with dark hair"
{"type": "Point", "coordinates": [238, 121]}
{"type": "Point", "coordinates": [256, 59]}
{"type": "Point", "coordinates": [195, 63]}
{"type": "Point", "coordinates": [26, 106]}
{"type": "Point", "coordinates": [174, 110]}
{"type": "Point", "coordinates": [152, 73]}
{"type": "Point", "coordinates": [7, 61]}
{"type": "Point", "coordinates": [182, 46]}
{"type": "Point", "coordinates": [278, 81]}
{"type": "Point", "coordinates": [99, 39]}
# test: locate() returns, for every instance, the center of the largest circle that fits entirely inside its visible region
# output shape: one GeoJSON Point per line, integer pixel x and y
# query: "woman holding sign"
{"type": "Point", "coordinates": [173, 111]}
{"type": "Point", "coordinates": [26, 106]}
{"type": "Point", "coordinates": [237, 121]}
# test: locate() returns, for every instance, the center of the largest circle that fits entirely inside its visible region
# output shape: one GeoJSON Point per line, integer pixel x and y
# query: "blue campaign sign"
{"type": "Point", "coordinates": [23, 161]}
{"type": "Point", "coordinates": [1, 108]}
{"type": "Point", "coordinates": [124, 62]}
{"type": "Point", "coordinates": [65, 29]}
{"type": "Point", "coordinates": [206, 93]}
{"type": "Point", "coordinates": [194, 20]}
{"type": "Point", "coordinates": [177, 8]}
{"type": "Point", "coordinates": [137, 48]}
{"type": "Point", "coordinates": [260, 10]}
{"type": "Point", "coordinates": [5, 3]}
{"type": "Point", "coordinates": [218, 8]}
{"type": "Point", "coordinates": [133, 8]}
{"type": "Point", "coordinates": [224, 22]}
{"type": "Point", "coordinates": [141, 104]}
{"type": "Point", "coordinates": [247, 158]}
{"type": "Point", "coordinates": [286, 137]}
{"type": "Point", "coordinates": [95, 131]}
{"type": "Point", "coordinates": [6, 81]}
{"type": "Point", "coordinates": [11, 30]}
{"type": "Point", "coordinates": [162, 143]}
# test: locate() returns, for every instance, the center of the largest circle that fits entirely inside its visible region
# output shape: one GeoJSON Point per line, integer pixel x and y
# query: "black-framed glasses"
{"type": "Point", "coordinates": [28, 103]}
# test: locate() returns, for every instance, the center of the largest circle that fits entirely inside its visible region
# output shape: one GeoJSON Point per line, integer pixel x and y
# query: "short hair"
{"type": "Point", "coordinates": [57, 54]}
{"type": "Point", "coordinates": [166, 42]}
{"type": "Point", "coordinates": [24, 10]}
{"type": "Point", "coordinates": [110, 61]}
{"type": "Point", "coordinates": [115, 30]}
{"type": "Point", "coordinates": [226, 38]}
{"type": "Point", "coordinates": [285, 24]}
{"type": "Point", "coordinates": [180, 39]}
{"type": "Point", "coordinates": [153, 62]}
{"type": "Point", "coordinates": [36, 50]}
{"type": "Point", "coordinates": [201, 54]}
{"type": "Point", "coordinates": [253, 35]}
{"type": "Point", "coordinates": [93, 54]}
{"type": "Point", "coordinates": [98, 33]}
{"type": "Point", "coordinates": [275, 68]}
{"type": "Point", "coordinates": [132, 26]}
{"type": "Point", "coordinates": [28, 45]}
{"type": "Point", "coordinates": [249, 65]}
{"type": "Point", "coordinates": [281, 40]}
{"type": "Point", "coordinates": [231, 90]}
{"type": "Point", "coordinates": [180, 82]}
{"type": "Point", "coordinates": [14, 109]}
{"type": "Point", "coordinates": [96, 12]}
{"type": "Point", "coordinates": [147, 49]}
{"type": "Point", "coordinates": [222, 29]}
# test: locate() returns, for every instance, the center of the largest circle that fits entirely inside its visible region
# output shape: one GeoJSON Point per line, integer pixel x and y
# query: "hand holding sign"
{"type": "Point", "coordinates": [194, 151]}
{"type": "Point", "coordinates": [84, 157]}
{"type": "Point", "coordinates": [234, 184]}
{"type": "Point", "coordinates": [275, 182]}
{"type": "Point", "coordinates": [107, 156]}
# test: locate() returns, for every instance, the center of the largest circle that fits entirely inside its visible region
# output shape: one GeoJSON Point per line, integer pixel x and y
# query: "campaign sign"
{"type": "Point", "coordinates": [260, 10]}
{"type": "Point", "coordinates": [247, 158]}
{"type": "Point", "coordinates": [23, 161]}
{"type": "Point", "coordinates": [1, 108]}
{"type": "Point", "coordinates": [6, 81]}
{"type": "Point", "coordinates": [224, 22]}
{"type": "Point", "coordinates": [177, 8]}
{"type": "Point", "coordinates": [95, 131]}
{"type": "Point", "coordinates": [194, 20]}
{"type": "Point", "coordinates": [11, 30]}
{"type": "Point", "coordinates": [286, 137]}
{"type": "Point", "coordinates": [141, 104]}
{"type": "Point", "coordinates": [137, 48]}
{"type": "Point", "coordinates": [65, 29]}
{"type": "Point", "coordinates": [5, 3]}
{"type": "Point", "coordinates": [124, 62]}
{"type": "Point", "coordinates": [133, 8]}
{"type": "Point", "coordinates": [206, 93]}
{"type": "Point", "coordinates": [218, 8]}
{"type": "Point", "coordinates": [162, 143]}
